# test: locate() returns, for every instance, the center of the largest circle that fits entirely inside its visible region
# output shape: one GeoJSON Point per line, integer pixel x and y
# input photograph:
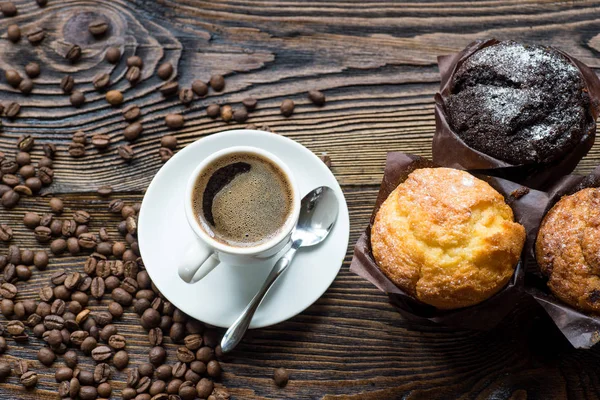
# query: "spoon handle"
{"type": "Point", "coordinates": [236, 332]}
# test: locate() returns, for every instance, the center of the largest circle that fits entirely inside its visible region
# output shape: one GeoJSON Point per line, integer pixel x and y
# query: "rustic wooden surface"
{"type": "Point", "coordinates": [376, 62]}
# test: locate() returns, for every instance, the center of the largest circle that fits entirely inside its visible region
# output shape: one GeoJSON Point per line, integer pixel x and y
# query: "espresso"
{"type": "Point", "coordinates": [242, 199]}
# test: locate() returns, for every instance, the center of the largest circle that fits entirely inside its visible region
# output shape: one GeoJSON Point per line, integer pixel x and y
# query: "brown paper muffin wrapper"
{"type": "Point", "coordinates": [449, 150]}
{"type": "Point", "coordinates": [581, 329]}
{"type": "Point", "coordinates": [528, 207]}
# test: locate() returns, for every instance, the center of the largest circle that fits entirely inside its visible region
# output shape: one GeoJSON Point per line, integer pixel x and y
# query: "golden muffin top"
{"type": "Point", "coordinates": [447, 238]}
{"type": "Point", "coordinates": [568, 249]}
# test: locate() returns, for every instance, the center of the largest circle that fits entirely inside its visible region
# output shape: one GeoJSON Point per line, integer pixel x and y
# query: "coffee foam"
{"type": "Point", "coordinates": [252, 204]}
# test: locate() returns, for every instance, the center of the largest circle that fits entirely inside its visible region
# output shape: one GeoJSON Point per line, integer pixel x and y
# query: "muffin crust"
{"type": "Point", "coordinates": [446, 238]}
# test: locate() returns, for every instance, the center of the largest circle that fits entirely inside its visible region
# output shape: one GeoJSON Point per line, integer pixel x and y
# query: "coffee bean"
{"type": "Point", "coordinates": [213, 368]}
{"type": "Point", "coordinates": [187, 392]}
{"type": "Point", "coordinates": [6, 233]}
{"type": "Point", "coordinates": [12, 109]}
{"type": "Point", "coordinates": [105, 191]}
{"type": "Point", "coordinates": [125, 152]}
{"type": "Point", "coordinates": [174, 121]}
{"type": "Point", "coordinates": [226, 113]}
{"type": "Point", "coordinates": [23, 190]}
{"type": "Point", "coordinates": [98, 287]}
{"type": "Point", "coordinates": [169, 88]}
{"type": "Point", "coordinates": [87, 240]}
{"type": "Point", "coordinates": [27, 171]}
{"type": "Point", "coordinates": [287, 107]}
{"type": "Point", "coordinates": [133, 74]}
{"type": "Point", "coordinates": [143, 384]}
{"type": "Point", "coordinates": [104, 390]}
{"type": "Point", "coordinates": [250, 103]}
{"type": "Point", "coordinates": [43, 234]}
{"type": "Point", "coordinates": [318, 98]}
{"type": "Point", "coordinates": [131, 113]}
{"type": "Point", "coordinates": [128, 393]}
{"type": "Point", "coordinates": [7, 307]}
{"type": "Point", "coordinates": [122, 297]}
{"type": "Point", "coordinates": [40, 260]}
{"type": "Point", "coordinates": [114, 97]}
{"type": "Point", "coordinates": [13, 77]}
{"type": "Point", "coordinates": [101, 353]}
{"type": "Point", "coordinates": [13, 33]}
{"type": "Point", "coordinates": [204, 388]}
{"type": "Point", "coordinates": [165, 154]}
{"type": "Point", "coordinates": [150, 319]}
{"type": "Point", "coordinates": [10, 180]}
{"type": "Point", "coordinates": [135, 61]}
{"type": "Point", "coordinates": [61, 292]}
{"type": "Point", "coordinates": [23, 272]}
{"type": "Point", "coordinates": [240, 115]}
{"type": "Point", "coordinates": [26, 86]}
{"type": "Point", "coordinates": [63, 374]}
{"type": "Point", "coordinates": [157, 387]}
{"type": "Point", "coordinates": [15, 328]}
{"type": "Point", "coordinates": [217, 82]}
{"type": "Point", "coordinates": [157, 355]}
{"type": "Point", "coordinates": [74, 53]}
{"type": "Point", "coordinates": [10, 199]}
{"type": "Point", "coordinates": [101, 81]}
{"type": "Point", "coordinates": [165, 71]}
{"type": "Point", "coordinates": [81, 229]}
{"type": "Point", "coordinates": [102, 373]}
{"type": "Point", "coordinates": [10, 273]}
{"type": "Point", "coordinates": [101, 141]}
{"type": "Point", "coordinates": [71, 359]}
{"type": "Point", "coordinates": [49, 150]}
{"type": "Point", "coordinates": [133, 131]}
{"type": "Point", "coordinates": [63, 389]}
{"type": "Point", "coordinates": [8, 9]}
{"type": "Point", "coordinates": [58, 307]}
{"type": "Point", "coordinates": [98, 27]}
{"type": "Point", "coordinates": [198, 367]}
{"type": "Point", "coordinates": [88, 393]}
{"type": "Point", "coordinates": [46, 175]}
{"type": "Point", "coordinates": [186, 96]}
{"type": "Point", "coordinates": [77, 98]}
{"type": "Point", "coordinates": [76, 150]}
{"type": "Point", "coordinates": [78, 337]}
{"type": "Point", "coordinates": [29, 379]}
{"type": "Point", "coordinates": [193, 342]}
{"type": "Point", "coordinates": [191, 376]}
{"type": "Point", "coordinates": [46, 356]}
{"type": "Point", "coordinates": [58, 246]}
{"type": "Point", "coordinates": [205, 354]}
{"type": "Point", "coordinates": [115, 309]}
{"type": "Point", "coordinates": [113, 55]}
{"type": "Point", "coordinates": [54, 322]}
{"type": "Point", "coordinates": [73, 280]}
{"type": "Point", "coordinates": [67, 84]}
{"type": "Point", "coordinates": [200, 88]}
{"type": "Point", "coordinates": [121, 359]}
{"type": "Point", "coordinates": [185, 355]}
{"type": "Point", "coordinates": [36, 35]}
{"type": "Point", "coordinates": [5, 370]}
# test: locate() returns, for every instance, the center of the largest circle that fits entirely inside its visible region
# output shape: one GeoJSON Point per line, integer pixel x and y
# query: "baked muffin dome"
{"type": "Point", "coordinates": [446, 238]}
{"type": "Point", "coordinates": [520, 104]}
{"type": "Point", "coordinates": [568, 249]}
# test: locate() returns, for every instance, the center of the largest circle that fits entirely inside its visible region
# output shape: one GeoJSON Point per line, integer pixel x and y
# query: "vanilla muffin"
{"type": "Point", "coordinates": [568, 249]}
{"type": "Point", "coordinates": [446, 238]}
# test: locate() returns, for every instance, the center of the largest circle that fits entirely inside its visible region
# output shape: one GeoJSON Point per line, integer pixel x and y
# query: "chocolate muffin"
{"type": "Point", "coordinates": [446, 238]}
{"type": "Point", "coordinates": [568, 249]}
{"type": "Point", "coordinates": [521, 104]}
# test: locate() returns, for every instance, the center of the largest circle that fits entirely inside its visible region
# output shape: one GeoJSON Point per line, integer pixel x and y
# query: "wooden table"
{"type": "Point", "coordinates": [376, 62]}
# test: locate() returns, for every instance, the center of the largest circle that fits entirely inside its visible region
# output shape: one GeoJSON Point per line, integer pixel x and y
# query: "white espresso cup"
{"type": "Point", "coordinates": [206, 253]}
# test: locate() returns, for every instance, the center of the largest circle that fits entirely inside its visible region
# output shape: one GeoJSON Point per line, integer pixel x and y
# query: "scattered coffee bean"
{"type": "Point", "coordinates": [200, 88]}
{"type": "Point", "coordinates": [5, 370]}
{"type": "Point", "coordinates": [13, 33]}
{"type": "Point", "coordinates": [133, 131]}
{"type": "Point", "coordinates": [101, 81]}
{"type": "Point", "coordinates": [165, 71]}
{"type": "Point", "coordinates": [165, 154]}
{"type": "Point", "coordinates": [217, 82]}
{"type": "Point", "coordinates": [169, 88]}
{"type": "Point", "coordinates": [40, 260]}
{"type": "Point", "coordinates": [58, 246]}
{"type": "Point", "coordinates": [15, 328]}
{"type": "Point", "coordinates": [88, 393]}
{"type": "Point", "coordinates": [131, 113]}
{"type": "Point", "coordinates": [115, 309]}
{"type": "Point", "coordinates": [76, 149]}
{"type": "Point", "coordinates": [104, 390]}
{"type": "Point", "coordinates": [46, 356]}
{"type": "Point", "coordinates": [26, 86]}
{"type": "Point", "coordinates": [105, 191]}
{"type": "Point", "coordinates": [29, 379]}
{"type": "Point", "coordinates": [185, 355]}
{"type": "Point", "coordinates": [240, 115]}
{"type": "Point", "coordinates": [56, 205]}
{"type": "Point", "coordinates": [205, 354]}
{"type": "Point", "coordinates": [113, 55]}
{"type": "Point", "coordinates": [102, 373]}
{"type": "Point", "coordinates": [36, 35]}
{"type": "Point", "coordinates": [250, 103]}
{"type": "Point", "coordinates": [74, 53]}
{"type": "Point", "coordinates": [226, 113]}
{"type": "Point", "coordinates": [157, 355]}
{"type": "Point", "coordinates": [13, 77]}
{"type": "Point", "coordinates": [213, 111]}
{"type": "Point", "coordinates": [133, 74]}
{"type": "Point", "coordinates": [8, 9]}
{"type": "Point", "coordinates": [98, 27]}
{"type": "Point", "coordinates": [114, 97]}
{"type": "Point", "coordinates": [12, 109]}
{"type": "Point", "coordinates": [63, 374]}
{"type": "Point", "coordinates": [287, 107]}
{"type": "Point", "coordinates": [204, 388]}
{"type": "Point", "coordinates": [193, 342]}
{"type": "Point", "coordinates": [77, 98]}
{"type": "Point", "coordinates": [121, 359]}
{"type": "Point", "coordinates": [101, 353]}
{"type": "Point", "coordinates": [169, 141]}
{"type": "Point", "coordinates": [122, 297]}
{"type": "Point", "coordinates": [135, 61]}
{"type": "Point", "coordinates": [174, 121]}
{"type": "Point", "coordinates": [6, 233]}
{"type": "Point", "coordinates": [186, 96]}
{"type": "Point", "coordinates": [101, 141]}
{"type": "Point", "coordinates": [281, 377]}
{"type": "Point", "coordinates": [318, 98]}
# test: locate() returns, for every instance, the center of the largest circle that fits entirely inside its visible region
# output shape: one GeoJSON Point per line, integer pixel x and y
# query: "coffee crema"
{"type": "Point", "coordinates": [242, 199]}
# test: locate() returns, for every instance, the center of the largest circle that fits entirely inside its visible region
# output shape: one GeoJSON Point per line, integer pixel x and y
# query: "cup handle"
{"type": "Point", "coordinates": [198, 260]}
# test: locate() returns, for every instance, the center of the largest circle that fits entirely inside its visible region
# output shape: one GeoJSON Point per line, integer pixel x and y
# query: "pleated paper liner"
{"type": "Point", "coordinates": [528, 207]}
{"type": "Point", "coordinates": [449, 150]}
{"type": "Point", "coordinates": [580, 328]}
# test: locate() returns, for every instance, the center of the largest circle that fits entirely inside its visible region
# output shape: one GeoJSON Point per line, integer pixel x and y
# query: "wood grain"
{"type": "Point", "coordinates": [376, 63]}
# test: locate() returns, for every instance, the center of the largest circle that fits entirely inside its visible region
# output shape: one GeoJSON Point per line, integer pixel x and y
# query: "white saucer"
{"type": "Point", "coordinates": [218, 299]}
